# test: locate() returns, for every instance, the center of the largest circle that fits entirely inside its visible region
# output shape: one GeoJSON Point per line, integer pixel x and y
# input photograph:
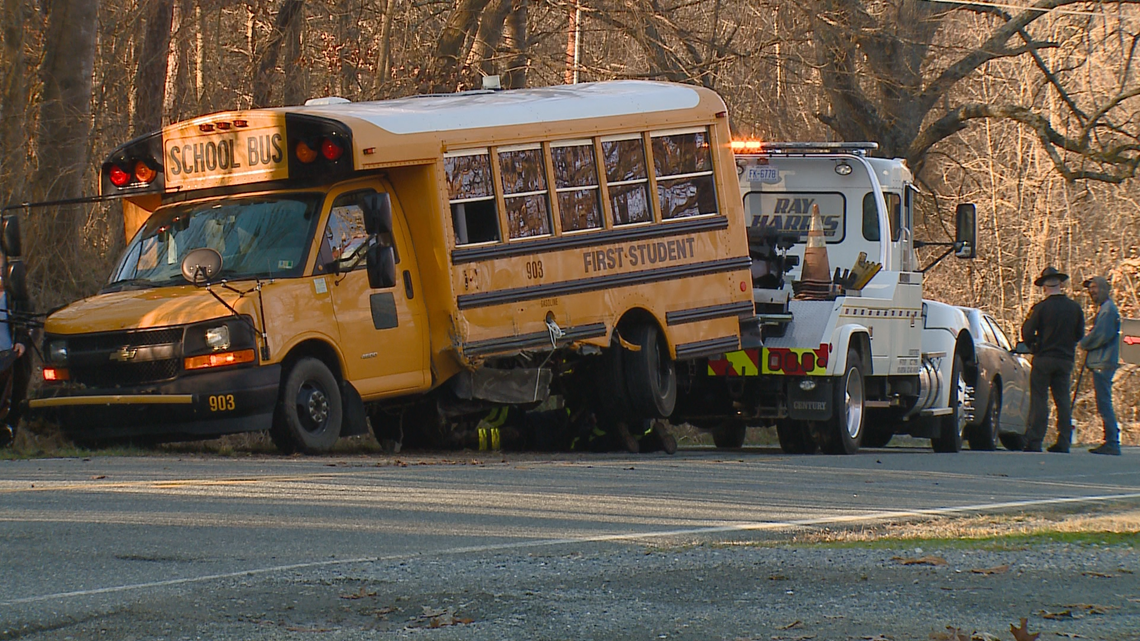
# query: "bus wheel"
{"type": "Point", "coordinates": [651, 377]}
{"type": "Point", "coordinates": [309, 414]}
{"type": "Point", "coordinates": [729, 436]}
{"type": "Point", "coordinates": [953, 425]}
{"type": "Point", "coordinates": [843, 433]}
{"type": "Point", "coordinates": [795, 438]}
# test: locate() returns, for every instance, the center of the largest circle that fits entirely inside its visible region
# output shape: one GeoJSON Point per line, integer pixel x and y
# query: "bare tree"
{"type": "Point", "coordinates": [265, 62]}
{"type": "Point", "coordinates": [15, 16]}
{"type": "Point", "coordinates": [153, 58]}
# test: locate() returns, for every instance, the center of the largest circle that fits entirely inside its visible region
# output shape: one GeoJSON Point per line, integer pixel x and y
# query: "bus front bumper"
{"type": "Point", "coordinates": [189, 407]}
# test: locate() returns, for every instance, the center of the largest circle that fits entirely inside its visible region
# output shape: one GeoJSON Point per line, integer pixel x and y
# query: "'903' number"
{"type": "Point", "coordinates": [534, 269]}
{"type": "Point", "coordinates": [221, 402]}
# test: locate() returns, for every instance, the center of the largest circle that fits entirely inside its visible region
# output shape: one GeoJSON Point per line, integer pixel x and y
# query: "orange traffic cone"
{"type": "Point", "coordinates": [815, 277]}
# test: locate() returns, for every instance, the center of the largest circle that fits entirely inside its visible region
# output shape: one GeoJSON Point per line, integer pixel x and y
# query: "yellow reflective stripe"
{"type": "Point", "coordinates": [495, 443]}
{"type": "Point", "coordinates": [128, 399]}
{"type": "Point", "coordinates": [482, 439]}
{"type": "Point", "coordinates": [742, 363]}
{"type": "Point", "coordinates": [489, 438]}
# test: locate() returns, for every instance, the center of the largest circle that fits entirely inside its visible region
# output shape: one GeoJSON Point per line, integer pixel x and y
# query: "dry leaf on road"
{"type": "Point", "coordinates": [1001, 569]}
{"type": "Point", "coordinates": [922, 560]}
{"type": "Point", "coordinates": [1022, 633]}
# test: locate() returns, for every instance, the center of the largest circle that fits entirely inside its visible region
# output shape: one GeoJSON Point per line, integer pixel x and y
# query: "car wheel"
{"type": "Point", "coordinates": [729, 436]}
{"type": "Point", "coordinates": [309, 412]}
{"type": "Point", "coordinates": [985, 436]}
{"type": "Point", "coordinates": [952, 426]}
{"type": "Point", "coordinates": [843, 433]}
{"type": "Point", "coordinates": [795, 438]}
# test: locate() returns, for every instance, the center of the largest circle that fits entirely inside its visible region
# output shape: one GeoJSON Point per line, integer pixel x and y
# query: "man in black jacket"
{"type": "Point", "coordinates": [15, 364]}
{"type": "Point", "coordinates": [1052, 330]}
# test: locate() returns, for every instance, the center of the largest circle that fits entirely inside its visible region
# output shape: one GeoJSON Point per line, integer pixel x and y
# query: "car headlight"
{"type": "Point", "coordinates": [218, 338]}
{"type": "Point", "coordinates": [57, 352]}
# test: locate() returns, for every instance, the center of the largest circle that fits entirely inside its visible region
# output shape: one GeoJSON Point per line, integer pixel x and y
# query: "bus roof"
{"type": "Point", "coordinates": [480, 109]}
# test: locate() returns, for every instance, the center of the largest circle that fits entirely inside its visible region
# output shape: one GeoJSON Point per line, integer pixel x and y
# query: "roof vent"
{"type": "Point", "coordinates": [491, 83]}
{"type": "Point", "coordinates": [329, 100]}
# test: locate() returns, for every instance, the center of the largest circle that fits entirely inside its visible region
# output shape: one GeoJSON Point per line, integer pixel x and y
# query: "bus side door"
{"type": "Point", "coordinates": [383, 331]}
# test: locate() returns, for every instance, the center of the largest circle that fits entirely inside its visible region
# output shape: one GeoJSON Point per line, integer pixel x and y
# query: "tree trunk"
{"type": "Point", "coordinates": [64, 128]}
{"type": "Point", "coordinates": [517, 43]}
{"type": "Point", "coordinates": [153, 61]}
{"type": "Point", "coordinates": [443, 74]}
{"type": "Point", "coordinates": [296, 88]}
{"type": "Point", "coordinates": [14, 136]}
{"type": "Point", "coordinates": [265, 62]}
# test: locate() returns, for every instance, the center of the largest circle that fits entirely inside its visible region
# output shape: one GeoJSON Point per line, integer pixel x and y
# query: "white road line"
{"type": "Point", "coordinates": [741, 527]}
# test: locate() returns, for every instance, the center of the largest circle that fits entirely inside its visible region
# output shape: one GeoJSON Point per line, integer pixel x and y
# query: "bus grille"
{"type": "Point", "coordinates": [93, 363]}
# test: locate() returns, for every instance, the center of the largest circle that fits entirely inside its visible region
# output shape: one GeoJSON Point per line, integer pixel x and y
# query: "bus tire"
{"type": "Point", "coordinates": [952, 426]}
{"type": "Point", "coordinates": [795, 438]}
{"type": "Point", "coordinates": [310, 410]}
{"type": "Point", "coordinates": [651, 376]}
{"type": "Point", "coordinates": [843, 432]}
{"type": "Point", "coordinates": [729, 435]}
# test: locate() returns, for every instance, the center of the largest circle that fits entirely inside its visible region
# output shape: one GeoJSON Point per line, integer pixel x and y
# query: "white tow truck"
{"type": "Point", "coordinates": [844, 359]}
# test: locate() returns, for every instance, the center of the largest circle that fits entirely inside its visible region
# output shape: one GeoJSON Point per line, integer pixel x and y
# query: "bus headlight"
{"type": "Point", "coordinates": [57, 352]}
{"type": "Point", "coordinates": [218, 338]}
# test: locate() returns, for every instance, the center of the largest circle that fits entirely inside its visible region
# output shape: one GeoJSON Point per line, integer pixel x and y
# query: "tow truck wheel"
{"type": "Point", "coordinates": [843, 433]}
{"type": "Point", "coordinates": [953, 425]}
{"type": "Point", "coordinates": [651, 377]}
{"type": "Point", "coordinates": [309, 413]}
{"type": "Point", "coordinates": [795, 437]}
{"type": "Point", "coordinates": [729, 436]}
{"type": "Point", "coordinates": [984, 437]}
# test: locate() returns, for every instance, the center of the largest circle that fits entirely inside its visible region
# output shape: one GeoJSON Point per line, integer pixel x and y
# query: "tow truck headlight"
{"type": "Point", "coordinates": [218, 338]}
{"type": "Point", "coordinates": [57, 352]}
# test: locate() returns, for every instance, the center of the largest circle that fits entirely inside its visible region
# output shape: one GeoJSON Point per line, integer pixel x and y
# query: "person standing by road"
{"type": "Point", "coordinates": [1051, 331]}
{"type": "Point", "coordinates": [1102, 345]}
{"type": "Point", "coordinates": [15, 365]}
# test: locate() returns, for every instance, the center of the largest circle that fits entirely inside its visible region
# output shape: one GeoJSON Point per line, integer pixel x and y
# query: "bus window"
{"type": "Point", "coordinates": [345, 238]}
{"type": "Point", "coordinates": [683, 166]}
{"type": "Point", "coordinates": [626, 179]}
{"type": "Point", "coordinates": [471, 191]}
{"type": "Point", "coordinates": [871, 215]}
{"type": "Point", "coordinates": [524, 191]}
{"type": "Point", "coordinates": [576, 184]}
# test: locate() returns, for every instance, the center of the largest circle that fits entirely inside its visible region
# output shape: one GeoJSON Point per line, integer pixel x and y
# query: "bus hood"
{"type": "Point", "coordinates": [140, 309]}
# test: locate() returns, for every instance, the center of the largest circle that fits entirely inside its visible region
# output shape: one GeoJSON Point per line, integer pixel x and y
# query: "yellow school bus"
{"type": "Point", "coordinates": [408, 261]}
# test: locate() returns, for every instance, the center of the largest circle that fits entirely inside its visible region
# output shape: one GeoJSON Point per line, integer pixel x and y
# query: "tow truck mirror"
{"type": "Point", "coordinates": [15, 280]}
{"type": "Point", "coordinates": [377, 213]}
{"type": "Point", "coordinates": [381, 267]}
{"type": "Point", "coordinates": [10, 236]}
{"type": "Point", "coordinates": [201, 265]}
{"type": "Point", "coordinates": [966, 231]}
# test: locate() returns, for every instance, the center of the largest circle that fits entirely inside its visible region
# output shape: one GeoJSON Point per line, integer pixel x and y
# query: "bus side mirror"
{"type": "Point", "coordinates": [966, 231]}
{"type": "Point", "coordinates": [10, 236]}
{"type": "Point", "coordinates": [381, 262]}
{"type": "Point", "coordinates": [15, 280]}
{"type": "Point", "coordinates": [377, 210]}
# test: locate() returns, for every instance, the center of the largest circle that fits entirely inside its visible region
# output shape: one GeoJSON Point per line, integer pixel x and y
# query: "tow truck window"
{"type": "Point", "coordinates": [471, 191]}
{"type": "Point", "coordinates": [260, 236]}
{"type": "Point", "coordinates": [871, 215]}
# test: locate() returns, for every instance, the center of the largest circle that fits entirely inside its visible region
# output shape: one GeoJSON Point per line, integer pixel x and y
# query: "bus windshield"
{"type": "Point", "coordinates": [257, 236]}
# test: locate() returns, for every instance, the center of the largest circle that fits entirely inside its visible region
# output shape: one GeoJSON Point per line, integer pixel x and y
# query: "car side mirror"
{"type": "Point", "coordinates": [1021, 348]}
{"type": "Point", "coordinates": [10, 236]}
{"type": "Point", "coordinates": [377, 209]}
{"type": "Point", "coordinates": [381, 262]}
{"type": "Point", "coordinates": [966, 231]}
{"type": "Point", "coordinates": [16, 280]}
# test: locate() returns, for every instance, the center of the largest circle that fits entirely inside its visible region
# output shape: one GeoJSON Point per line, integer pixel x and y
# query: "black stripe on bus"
{"type": "Point", "coordinates": [581, 285]}
{"type": "Point", "coordinates": [546, 245]}
{"type": "Point", "coordinates": [711, 347]}
{"type": "Point", "coordinates": [534, 340]}
{"type": "Point", "coordinates": [682, 316]}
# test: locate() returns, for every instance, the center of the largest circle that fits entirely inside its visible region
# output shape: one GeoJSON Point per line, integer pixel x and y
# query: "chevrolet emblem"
{"type": "Point", "coordinates": [124, 354]}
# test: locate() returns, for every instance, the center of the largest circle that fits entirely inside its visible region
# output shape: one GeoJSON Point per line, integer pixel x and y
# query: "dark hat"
{"type": "Point", "coordinates": [1050, 272]}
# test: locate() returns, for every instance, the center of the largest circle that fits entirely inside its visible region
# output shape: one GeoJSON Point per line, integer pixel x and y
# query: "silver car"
{"type": "Point", "coordinates": [1001, 395]}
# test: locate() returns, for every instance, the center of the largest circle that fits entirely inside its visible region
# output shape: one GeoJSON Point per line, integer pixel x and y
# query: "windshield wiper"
{"type": "Point", "coordinates": [130, 283]}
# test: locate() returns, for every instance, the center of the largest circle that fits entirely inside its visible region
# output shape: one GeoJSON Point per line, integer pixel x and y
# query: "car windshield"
{"type": "Point", "coordinates": [258, 237]}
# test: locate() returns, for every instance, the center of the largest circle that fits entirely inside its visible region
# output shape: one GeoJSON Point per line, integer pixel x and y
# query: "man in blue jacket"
{"type": "Point", "coordinates": [1103, 346]}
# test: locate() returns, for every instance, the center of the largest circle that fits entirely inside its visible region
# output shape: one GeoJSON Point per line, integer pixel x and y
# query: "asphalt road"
{"type": "Point", "coordinates": [159, 547]}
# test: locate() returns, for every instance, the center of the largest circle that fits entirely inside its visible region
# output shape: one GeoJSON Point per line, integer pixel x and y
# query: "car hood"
{"type": "Point", "coordinates": [137, 309]}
